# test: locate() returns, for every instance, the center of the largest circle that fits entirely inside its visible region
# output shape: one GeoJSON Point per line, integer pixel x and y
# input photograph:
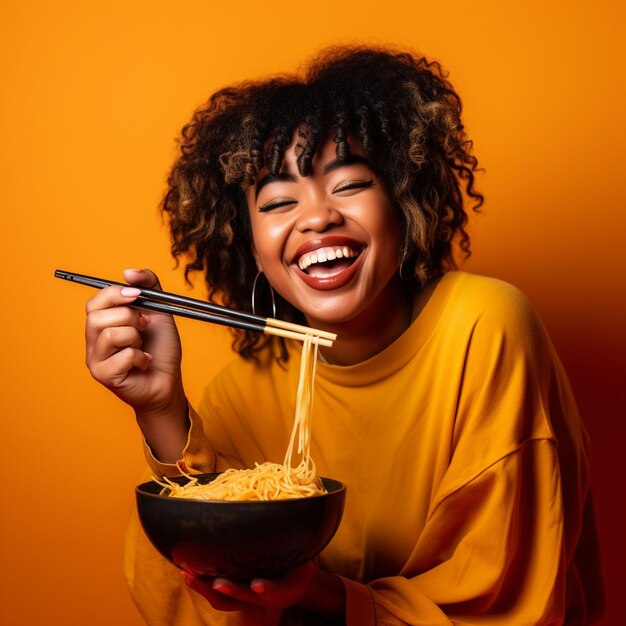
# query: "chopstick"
{"type": "Point", "coordinates": [164, 302]}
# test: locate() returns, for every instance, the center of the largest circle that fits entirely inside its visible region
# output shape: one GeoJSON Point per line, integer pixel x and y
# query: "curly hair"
{"type": "Point", "coordinates": [402, 110]}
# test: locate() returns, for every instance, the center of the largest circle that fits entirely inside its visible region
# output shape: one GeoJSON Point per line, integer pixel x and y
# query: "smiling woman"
{"type": "Point", "coordinates": [441, 405]}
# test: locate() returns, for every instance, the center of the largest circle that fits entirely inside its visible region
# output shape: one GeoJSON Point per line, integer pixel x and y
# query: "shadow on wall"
{"type": "Point", "coordinates": [595, 360]}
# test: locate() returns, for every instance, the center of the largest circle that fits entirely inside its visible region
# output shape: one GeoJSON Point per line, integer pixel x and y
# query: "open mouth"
{"type": "Point", "coordinates": [328, 261]}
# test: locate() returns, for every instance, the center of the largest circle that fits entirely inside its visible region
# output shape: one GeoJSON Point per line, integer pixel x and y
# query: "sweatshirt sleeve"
{"type": "Point", "coordinates": [491, 553]}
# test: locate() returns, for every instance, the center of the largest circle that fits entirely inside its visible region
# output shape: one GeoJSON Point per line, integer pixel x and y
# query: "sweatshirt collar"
{"type": "Point", "coordinates": [398, 354]}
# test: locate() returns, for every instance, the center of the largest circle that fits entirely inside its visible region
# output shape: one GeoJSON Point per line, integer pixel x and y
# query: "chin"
{"type": "Point", "coordinates": [331, 316]}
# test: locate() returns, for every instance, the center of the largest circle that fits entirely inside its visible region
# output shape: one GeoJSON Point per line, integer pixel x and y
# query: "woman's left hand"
{"type": "Point", "coordinates": [275, 594]}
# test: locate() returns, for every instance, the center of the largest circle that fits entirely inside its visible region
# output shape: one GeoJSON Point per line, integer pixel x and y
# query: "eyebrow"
{"type": "Point", "coordinates": [353, 159]}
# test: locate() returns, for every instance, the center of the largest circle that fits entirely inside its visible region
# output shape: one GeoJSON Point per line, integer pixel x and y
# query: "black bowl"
{"type": "Point", "coordinates": [239, 540]}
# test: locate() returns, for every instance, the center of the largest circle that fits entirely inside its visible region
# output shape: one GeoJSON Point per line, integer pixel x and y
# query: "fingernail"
{"type": "Point", "coordinates": [130, 292]}
{"type": "Point", "coordinates": [258, 587]}
{"type": "Point", "coordinates": [132, 269]}
{"type": "Point", "coordinates": [220, 585]}
{"type": "Point", "coordinates": [148, 356]}
{"type": "Point", "coordinates": [144, 320]}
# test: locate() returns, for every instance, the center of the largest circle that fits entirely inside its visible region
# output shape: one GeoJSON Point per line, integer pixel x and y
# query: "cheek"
{"type": "Point", "coordinates": [387, 223]}
{"type": "Point", "coordinates": [269, 237]}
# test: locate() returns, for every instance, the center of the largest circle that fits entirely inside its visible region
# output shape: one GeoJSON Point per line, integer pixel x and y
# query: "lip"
{"type": "Point", "coordinates": [332, 282]}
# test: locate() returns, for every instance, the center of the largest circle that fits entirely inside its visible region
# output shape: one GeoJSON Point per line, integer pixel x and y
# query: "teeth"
{"type": "Point", "coordinates": [326, 254]}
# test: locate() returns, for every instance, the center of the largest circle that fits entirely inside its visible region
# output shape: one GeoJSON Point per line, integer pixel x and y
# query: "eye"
{"type": "Point", "coordinates": [276, 204]}
{"type": "Point", "coordinates": [354, 184]}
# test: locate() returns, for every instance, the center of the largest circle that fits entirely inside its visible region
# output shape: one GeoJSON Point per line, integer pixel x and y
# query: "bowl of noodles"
{"type": "Point", "coordinates": [259, 522]}
{"type": "Point", "coordinates": [240, 540]}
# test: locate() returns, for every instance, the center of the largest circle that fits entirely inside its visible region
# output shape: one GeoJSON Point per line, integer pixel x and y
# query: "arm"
{"type": "Point", "coordinates": [137, 354]}
{"type": "Point", "coordinates": [492, 550]}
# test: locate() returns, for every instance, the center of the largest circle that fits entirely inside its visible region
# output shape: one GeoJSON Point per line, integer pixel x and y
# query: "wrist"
{"type": "Point", "coordinates": [166, 428]}
{"type": "Point", "coordinates": [175, 407]}
{"type": "Point", "coordinates": [326, 596]}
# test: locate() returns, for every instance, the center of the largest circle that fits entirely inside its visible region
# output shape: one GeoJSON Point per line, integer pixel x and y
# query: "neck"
{"type": "Point", "coordinates": [372, 331]}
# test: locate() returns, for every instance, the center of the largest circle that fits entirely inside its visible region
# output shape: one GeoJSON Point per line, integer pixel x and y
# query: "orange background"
{"type": "Point", "coordinates": [93, 94]}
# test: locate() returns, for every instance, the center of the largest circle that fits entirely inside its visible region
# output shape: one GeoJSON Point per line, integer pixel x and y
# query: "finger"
{"type": "Point", "coordinates": [238, 591]}
{"type": "Point", "coordinates": [286, 590]}
{"type": "Point", "coordinates": [217, 600]}
{"type": "Point", "coordinates": [114, 339]}
{"type": "Point", "coordinates": [113, 372]}
{"type": "Point", "coordinates": [99, 320]}
{"type": "Point", "coordinates": [142, 278]}
{"type": "Point", "coordinates": [111, 296]}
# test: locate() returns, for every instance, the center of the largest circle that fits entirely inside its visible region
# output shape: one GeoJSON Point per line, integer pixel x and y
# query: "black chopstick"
{"type": "Point", "coordinates": [162, 296]}
{"type": "Point", "coordinates": [157, 301]}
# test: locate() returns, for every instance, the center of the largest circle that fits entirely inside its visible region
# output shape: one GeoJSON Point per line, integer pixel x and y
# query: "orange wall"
{"type": "Point", "coordinates": [93, 94]}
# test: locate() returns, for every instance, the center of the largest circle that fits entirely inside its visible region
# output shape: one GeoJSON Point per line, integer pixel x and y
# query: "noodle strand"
{"type": "Point", "coordinates": [269, 481]}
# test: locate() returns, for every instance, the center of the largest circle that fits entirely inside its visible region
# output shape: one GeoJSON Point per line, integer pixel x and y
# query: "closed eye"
{"type": "Point", "coordinates": [276, 204]}
{"type": "Point", "coordinates": [354, 184]}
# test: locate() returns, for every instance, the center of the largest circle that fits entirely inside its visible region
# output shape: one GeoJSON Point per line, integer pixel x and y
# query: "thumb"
{"type": "Point", "coordinates": [142, 278]}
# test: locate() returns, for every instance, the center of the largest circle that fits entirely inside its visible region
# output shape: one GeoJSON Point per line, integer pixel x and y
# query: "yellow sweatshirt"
{"type": "Point", "coordinates": [468, 495]}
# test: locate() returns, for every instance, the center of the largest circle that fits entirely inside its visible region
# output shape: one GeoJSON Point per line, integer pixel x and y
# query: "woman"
{"type": "Point", "coordinates": [442, 404]}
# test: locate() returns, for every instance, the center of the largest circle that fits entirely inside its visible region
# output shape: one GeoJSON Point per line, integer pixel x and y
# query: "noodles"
{"type": "Point", "coordinates": [269, 481]}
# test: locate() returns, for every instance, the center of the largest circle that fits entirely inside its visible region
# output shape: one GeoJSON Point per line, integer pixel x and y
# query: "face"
{"type": "Point", "coordinates": [329, 242]}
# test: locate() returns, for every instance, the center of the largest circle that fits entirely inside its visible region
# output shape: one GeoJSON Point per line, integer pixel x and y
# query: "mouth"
{"type": "Point", "coordinates": [328, 263]}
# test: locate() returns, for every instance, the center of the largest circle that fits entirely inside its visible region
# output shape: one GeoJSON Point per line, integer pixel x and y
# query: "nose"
{"type": "Point", "coordinates": [318, 214]}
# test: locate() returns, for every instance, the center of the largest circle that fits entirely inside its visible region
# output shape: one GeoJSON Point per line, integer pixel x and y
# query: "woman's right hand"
{"type": "Point", "coordinates": [137, 355]}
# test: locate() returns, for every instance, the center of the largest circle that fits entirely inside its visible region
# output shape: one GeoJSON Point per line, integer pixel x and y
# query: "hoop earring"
{"type": "Point", "coordinates": [253, 298]}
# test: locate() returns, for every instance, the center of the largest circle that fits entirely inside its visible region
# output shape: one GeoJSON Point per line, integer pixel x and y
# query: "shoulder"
{"type": "Point", "coordinates": [492, 319]}
{"type": "Point", "coordinates": [483, 294]}
{"type": "Point", "coordinates": [481, 301]}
